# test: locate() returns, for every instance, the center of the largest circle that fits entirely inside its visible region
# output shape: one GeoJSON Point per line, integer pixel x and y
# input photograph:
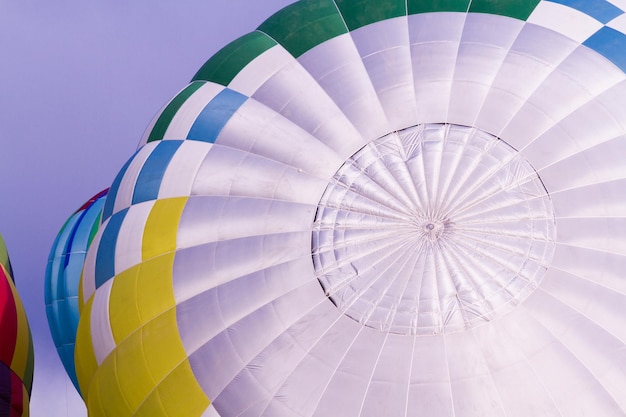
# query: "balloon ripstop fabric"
{"type": "Point", "coordinates": [207, 290]}
{"type": "Point", "coordinates": [16, 347]}
{"type": "Point", "coordinates": [65, 265]}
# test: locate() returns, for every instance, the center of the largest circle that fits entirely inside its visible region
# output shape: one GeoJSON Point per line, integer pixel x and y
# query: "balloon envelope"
{"type": "Point", "coordinates": [372, 208]}
{"type": "Point", "coordinates": [16, 348]}
{"type": "Point", "coordinates": [65, 265]}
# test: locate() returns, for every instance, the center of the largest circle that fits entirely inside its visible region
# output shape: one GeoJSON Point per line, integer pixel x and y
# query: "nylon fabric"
{"type": "Point", "coordinates": [315, 257]}
{"type": "Point", "coordinates": [16, 349]}
{"type": "Point", "coordinates": [65, 264]}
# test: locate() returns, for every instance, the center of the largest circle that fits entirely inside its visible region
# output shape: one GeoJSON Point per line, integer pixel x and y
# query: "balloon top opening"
{"type": "Point", "coordinates": [432, 229]}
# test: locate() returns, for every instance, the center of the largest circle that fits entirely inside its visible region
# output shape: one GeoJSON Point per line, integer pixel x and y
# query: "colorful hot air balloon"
{"type": "Point", "coordinates": [16, 347]}
{"type": "Point", "coordinates": [65, 265]}
{"type": "Point", "coordinates": [367, 208]}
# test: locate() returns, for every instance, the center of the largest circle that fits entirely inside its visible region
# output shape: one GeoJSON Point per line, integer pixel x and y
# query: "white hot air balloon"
{"type": "Point", "coordinates": [366, 208]}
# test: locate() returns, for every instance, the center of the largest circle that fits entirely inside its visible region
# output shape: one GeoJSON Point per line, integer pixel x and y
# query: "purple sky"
{"type": "Point", "coordinates": [80, 81]}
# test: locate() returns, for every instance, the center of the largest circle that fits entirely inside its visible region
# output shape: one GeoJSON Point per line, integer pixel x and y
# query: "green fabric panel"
{"type": "Point", "coordinates": [305, 24]}
{"type": "Point", "coordinates": [166, 116]}
{"type": "Point", "coordinates": [30, 365]}
{"type": "Point", "coordinates": [222, 67]}
{"type": "Point", "coordinates": [519, 9]}
{"type": "Point", "coordinates": [94, 228]}
{"type": "Point", "coordinates": [427, 6]}
{"type": "Point", "coordinates": [4, 258]}
{"type": "Point", "coordinates": [358, 13]}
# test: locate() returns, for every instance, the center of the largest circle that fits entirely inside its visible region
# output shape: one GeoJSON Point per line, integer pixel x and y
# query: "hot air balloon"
{"type": "Point", "coordinates": [16, 347]}
{"type": "Point", "coordinates": [65, 264]}
{"type": "Point", "coordinates": [365, 208]}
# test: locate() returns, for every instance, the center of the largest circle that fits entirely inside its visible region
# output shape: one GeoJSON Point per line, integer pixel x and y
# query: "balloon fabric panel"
{"type": "Point", "coordinates": [16, 350]}
{"type": "Point", "coordinates": [360, 206]}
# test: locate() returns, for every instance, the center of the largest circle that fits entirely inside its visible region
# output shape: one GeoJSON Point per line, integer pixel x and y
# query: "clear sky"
{"type": "Point", "coordinates": [79, 82]}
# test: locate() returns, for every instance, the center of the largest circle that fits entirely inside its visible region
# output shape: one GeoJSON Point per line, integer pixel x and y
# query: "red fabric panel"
{"type": "Point", "coordinates": [8, 320]}
{"type": "Point", "coordinates": [17, 396]}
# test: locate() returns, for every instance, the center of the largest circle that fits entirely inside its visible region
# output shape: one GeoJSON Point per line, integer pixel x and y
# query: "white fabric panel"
{"type": "Point", "coordinates": [598, 163]}
{"type": "Point", "coordinates": [261, 69]}
{"type": "Point", "coordinates": [590, 315]}
{"type": "Point", "coordinates": [543, 44]}
{"type": "Point", "coordinates": [473, 390]}
{"type": "Point", "coordinates": [101, 333]}
{"type": "Point", "coordinates": [565, 20]}
{"type": "Point", "coordinates": [181, 123]}
{"type": "Point", "coordinates": [588, 126]}
{"type": "Point", "coordinates": [430, 378]}
{"type": "Point", "coordinates": [574, 387]}
{"type": "Point", "coordinates": [124, 196]}
{"type": "Point", "coordinates": [274, 365]}
{"type": "Point", "coordinates": [128, 246]}
{"type": "Point", "coordinates": [559, 95]}
{"type": "Point", "coordinates": [614, 100]}
{"type": "Point", "coordinates": [598, 200]}
{"type": "Point", "coordinates": [313, 372]}
{"type": "Point", "coordinates": [549, 49]}
{"type": "Point", "coordinates": [484, 45]}
{"type": "Point", "coordinates": [390, 379]}
{"type": "Point", "coordinates": [204, 267]}
{"type": "Point", "coordinates": [527, 65]}
{"type": "Point", "coordinates": [229, 172]}
{"type": "Point", "coordinates": [529, 122]}
{"type": "Point", "coordinates": [596, 233]}
{"type": "Point", "coordinates": [621, 4]}
{"type": "Point", "coordinates": [337, 66]}
{"type": "Point", "coordinates": [214, 219]}
{"type": "Point", "coordinates": [280, 365]}
{"type": "Point", "coordinates": [181, 171]}
{"type": "Point", "coordinates": [293, 93]}
{"type": "Point", "coordinates": [517, 78]}
{"type": "Point", "coordinates": [434, 42]}
{"type": "Point", "coordinates": [210, 412]}
{"type": "Point", "coordinates": [258, 129]}
{"type": "Point", "coordinates": [566, 96]}
{"type": "Point", "coordinates": [244, 339]}
{"type": "Point", "coordinates": [583, 263]}
{"type": "Point", "coordinates": [591, 70]}
{"type": "Point", "coordinates": [619, 23]}
{"type": "Point", "coordinates": [88, 277]}
{"type": "Point", "coordinates": [348, 385]}
{"type": "Point", "coordinates": [385, 51]}
{"type": "Point", "coordinates": [146, 133]}
{"type": "Point", "coordinates": [519, 389]}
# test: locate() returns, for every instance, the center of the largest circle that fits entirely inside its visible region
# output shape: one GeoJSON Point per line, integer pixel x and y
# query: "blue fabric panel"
{"type": "Point", "coordinates": [66, 353]}
{"type": "Point", "coordinates": [52, 311]}
{"type": "Point", "coordinates": [105, 258]}
{"type": "Point", "coordinates": [215, 115]}
{"type": "Point", "coordinates": [112, 196]}
{"type": "Point", "coordinates": [610, 43]}
{"type": "Point", "coordinates": [600, 10]}
{"type": "Point", "coordinates": [79, 237]}
{"type": "Point", "coordinates": [151, 174]}
{"type": "Point", "coordinates": [56, 260]}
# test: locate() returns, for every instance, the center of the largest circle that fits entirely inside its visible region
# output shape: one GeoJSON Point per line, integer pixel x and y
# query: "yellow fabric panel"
{"type": "Point", "coordinates": [143, 359]}
{"type": "Point", "coordinates": [20, 356]}
{"type": "Point", "coordinates": [141, 293]}
{"type": "Point", "coordinates": [106, 390]}
{"type": "Point", "coordinates": [163, 348]}
{"type": "Point", "coordinates": [84, 356]}
{"type": "Point", "coordinates": [124, 313]}
{"type": "Point", "coordinates": [178, 395]}
{"type": "Point", "coordinates": [81, 297]}
{"type": "Point", "coordinates": [162, 226]}
{"type": "Point", "coordinates": [26, 402]}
